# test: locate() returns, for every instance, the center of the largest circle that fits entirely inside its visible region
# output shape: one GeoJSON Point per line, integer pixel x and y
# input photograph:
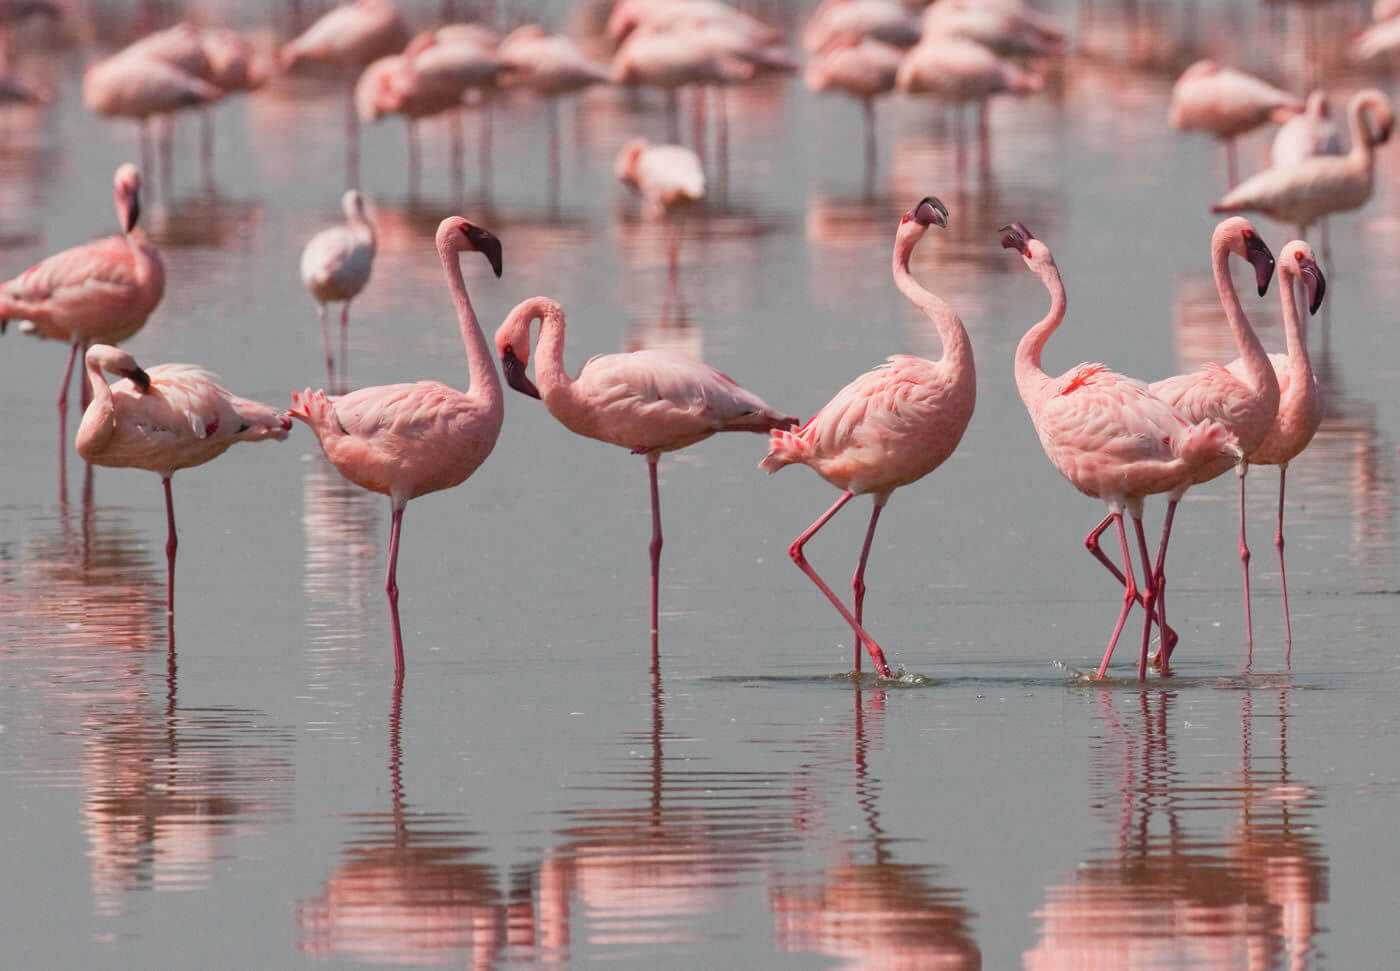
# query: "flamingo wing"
{"type": "Point", "coordinates": [337, 261]}
{"type": "Point", "coordinates": [78, 282]}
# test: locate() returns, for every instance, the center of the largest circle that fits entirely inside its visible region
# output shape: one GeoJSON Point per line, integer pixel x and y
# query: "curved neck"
{"type": "Point", "coordinates": [97, 381]}
{"type": "Point", "coordinates": [361, 223]}
{"type": "Point", "coordinates": [1256, 360]}
{"type": "Point", "coordinates": [481, 372]}
{"type": "Point", "coordinates": [1360, 134]}
{"type": "Point", "coordinates": [957, 349]}
{"type": "Point", "coordinates": [550, 375]}
{"type": "Point", "coordinates": [1029, 374]}
{"type": "Point", "coordinates": [1295, 326]}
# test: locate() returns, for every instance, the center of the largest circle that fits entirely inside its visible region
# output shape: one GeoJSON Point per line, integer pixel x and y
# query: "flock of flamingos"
{"type": "Point", "coordinates": [1113, 437]}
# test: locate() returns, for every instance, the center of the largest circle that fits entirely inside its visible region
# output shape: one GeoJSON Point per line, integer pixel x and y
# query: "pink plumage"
{"type": "Point", "coordinates": [1226, 103]}
{"type": "Point", "coordinates": [890, 426]}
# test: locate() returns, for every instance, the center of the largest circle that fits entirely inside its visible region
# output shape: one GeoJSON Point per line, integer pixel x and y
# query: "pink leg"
{"type": "Point", "coordinates": [84, 389]}
{"type": "Point", "coordinates": [391, 587]}
{"type": "Point", "coordinates": [1129, 595]}
{"type": "Point", "coordinates": [655, 559]}
{"type": "Point", "coordinates": [858, 581]}
{"type": "Point", "coordinates": [1091, 543]}
{"type": "Point", "coordinates": [1149, 604]}
{"type": "Point", "coordinates": [1231, 163]}
{"type": "Point", "coordinates": [1159, 581]}
{"type": "Point", "coordinates": [1244, 568]}
{"type": "Point", "coordinates": [63, 390]}
{"type": "Point", "coordinates": [877, 656]}
{"type": "Point", "coordinates": [326, 343]}
{"type": "Point", "coordinates": [344, 342]}
{"type": "Point", "coordinates": [1283, 573]}
{"type": "Point", "coordinates": [172, 543]}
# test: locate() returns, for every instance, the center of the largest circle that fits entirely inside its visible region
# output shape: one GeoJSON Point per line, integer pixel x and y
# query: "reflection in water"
{"type": "Point", "coordinates": [340, 526]}
{"type": "Point", "coordinates": [1182, 888]}
{"type": "Point", "coordinates": [868, 909]}
{"type": "Point", "coordinates": [407, 890]}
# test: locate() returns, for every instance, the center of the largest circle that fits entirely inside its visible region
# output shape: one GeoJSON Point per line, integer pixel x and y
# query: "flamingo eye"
{"type": "Point", "coordinates": [1298, 257]}
{"type": "Point", "coordinates": [904, 219]}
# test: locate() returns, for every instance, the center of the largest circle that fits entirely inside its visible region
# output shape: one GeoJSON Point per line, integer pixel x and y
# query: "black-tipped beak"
{"type": "Point", "coordinates": [1257, 252]}
{"type": "Point", "coordinates": [487, 245]}
{"type": "Point", "coordinates": [1315, 282]}
{"type": "Point", "coordinates": [1016, 236]}
{"type": "Point", "coordinates": [930, 212]}
{"type": "Point", "coordinates": [140, 378]}
{"type": "Point", "coordinates": [132, 215]}
{"type": "Point", "coordinates": [515, 374]}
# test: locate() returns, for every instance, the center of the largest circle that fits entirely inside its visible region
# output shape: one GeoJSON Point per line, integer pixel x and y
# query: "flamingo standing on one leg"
{"type": "Point", "coordinates": [1243, 397]}
{"type": "Point", "coordinates": [335, 265]}
{"type": "Point", "coordinates": [407, 440]}
{"type": "Point", "coordinates": [863, 68]}
{"type": "Point", "coordinates": [1300, 399]}
{"type": "Point", "coordinates": [101, 291]}
{"type": "Point", "coordinates": [174, 416]}
{"type": "Point", "coordinates": [648, 401]}
{"type": "Point", "coordinates": [890, 426]}
{"type": "Point", "coordinates": [1108, 435]}
{"type": "Point", "coordinates": [1227, 103]}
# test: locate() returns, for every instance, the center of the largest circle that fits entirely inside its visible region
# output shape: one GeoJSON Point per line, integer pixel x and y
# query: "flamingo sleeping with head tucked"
{"type": "Point", "coordinates": [1227, 103]}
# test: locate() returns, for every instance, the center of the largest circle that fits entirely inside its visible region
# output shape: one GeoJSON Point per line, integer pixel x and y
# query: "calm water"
{"type": "Point", "coordinates": [259, 796]}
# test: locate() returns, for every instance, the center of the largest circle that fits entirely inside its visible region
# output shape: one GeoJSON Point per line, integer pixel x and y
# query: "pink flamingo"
{"type": "Point", "coordinates": [1008, 30]}
{"type": "Point", "coordinates": [648, 401]}
{"type": "Point", "coordinates": [884, 20]}
{"type": "Point", "coordinates": [101, 291]}
{"type": "Point", "coordinates": [1303, 136]}
{"type": "Point", "coordinates": [1109, 436]}
{"type": "Point", "coordinates": [174, 416]}
{"type": "Point", "coordinates": [335, 266]}
{"type": "Point", "coordinates": [665, 176]}
{"type": "Point", "coordinates": [407, 440]}
{"type": "Point", "coordinates": [862, 67]}
{"type": "Point", "coordinates": [1300, 399]}
{"type": "Point", "coordinates": [1243, 397]}
{"type": "Point", "coordinates": [672, 60]}
{"type": "Point", "coordinates": [890, 426]}
{"type": "Point", "coordinates": [1227, 103]}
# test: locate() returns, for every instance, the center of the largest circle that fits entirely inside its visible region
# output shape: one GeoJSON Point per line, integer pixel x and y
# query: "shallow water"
{"type": "Point", "coordinates": [257, 793]}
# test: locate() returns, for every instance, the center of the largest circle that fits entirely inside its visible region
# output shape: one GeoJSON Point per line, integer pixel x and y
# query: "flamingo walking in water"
{"type": "Point", "coordinates": [171, 417]}
{"type": "Point", "coordinates": [648, 401]}
{"type": "Point", "coordinates": [407, 440]}
{"type": "Point", "coordinates": [1243, 396]}
{"type": "Point", "coordinates": [890, 426]}
{"type": "Point", "coordinates": [335, 265]}
{"type": "Point", "coordinates": [101, 291]}
{"type": "Point", "coordinates": [1109, 436]}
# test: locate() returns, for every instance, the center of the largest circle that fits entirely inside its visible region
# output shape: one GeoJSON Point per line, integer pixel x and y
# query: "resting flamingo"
{"type": "Point", "coordinates": [1109, 436]}
{"type": "Point", "coordinates": [1227, 103]}
{"type": "Point", "coordinates": [862, 67]}
{"type": "Point", "coordinates": [1316, 187]}
{"type": "Point", "coordinates": [648, 401]}
{"type": "Point", "coordinates": [407, 440]}
{"type": "Point", "coordinates": [890, 426]}
{"type": "Point", "coordinates": [101, 291]}
{"type": "Point", "coordinates": [335, 266]}
{"type": "Point", "coordinates": [885, 20]}
{"type": "Point", "coordinates": [959, 71]}
{"type": "Point", "coordinates": [665, 176]}
{"type": "Point", "coordinates": [170, 417]}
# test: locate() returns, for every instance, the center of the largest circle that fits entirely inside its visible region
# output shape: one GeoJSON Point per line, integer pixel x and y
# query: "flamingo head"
{"type": "Point", "coordinates": [118, 362]}
{"type": "Point", "coordinates": [1296, 261]}
{"type": "Point", "coordinates": [456, 234]}
{"type": "Point", "coordinates": [126, 192]}
{"type": "Point", "coordinates": [1016, 236]}
{"type": "Point", "coordinates": [513, 344]}
{"type": "Point", "coordinates": [1380, 118]}
{"type": "Point", "coordinates": [929, 212]}
{"type": "Point", "coordinates": [1239, 237]}
{"type": "Point", "coordinates": [628, 159]}
{"type": "Point", "coordinates": [353, 205]}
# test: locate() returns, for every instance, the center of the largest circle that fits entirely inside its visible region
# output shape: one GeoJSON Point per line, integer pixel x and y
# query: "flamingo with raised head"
{"type": "Point", "coordinates": [407, 440]}
{"type": "Point", "coordinates": [1316, 187]}
{"type": "Point", "coordinates": [647, 401]}
{"type": "Point", "coordinates": [1227, 103]}
{"type": "Point", "coordinates": [167, 418]}
{"type": "Point", "coordinates": [889, 427]}
{"type": "Point", "coordinates": [1109, 436]}
{"type": "Point", "coordinates": [1243, 397]}
{"type": "Point", "coordinates": [335, 266]}
{"type": "Point", "coordinates": [99, 292]}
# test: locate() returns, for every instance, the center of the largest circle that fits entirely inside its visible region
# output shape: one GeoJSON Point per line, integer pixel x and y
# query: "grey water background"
{"type": "Point", "coordinates": [260, 798]}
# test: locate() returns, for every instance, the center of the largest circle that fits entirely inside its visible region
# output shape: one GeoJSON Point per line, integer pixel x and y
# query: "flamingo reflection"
{"type": "Point", "coordinates": [1183, 887]}
{"type": "Point", "coordinates": [340, 525]}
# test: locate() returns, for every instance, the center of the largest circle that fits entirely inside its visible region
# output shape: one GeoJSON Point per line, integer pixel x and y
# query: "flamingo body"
{"type": "Point", "coordinates": [336, 263]}
{"type": "Point", "coordinates": [549, 64]}
{"type": "Point", "coordinates": [128, 86]}
{"type": "Point", "coordinates": [958, 71]}
{"type": "Point", "coordinates": [863, 69]}
{"type": "Point", "coordinates": [1303, 136]}
{"type": "Point", "coordinates": [664, 175]}
{"type": "Point", "coordinates": [348, 36]}
{"type": "Point", "coordinates": [883, 20]}
{"type": "Point", "coordinates": [1007, 32]}
{"type": "Point", "coordinates": [1225, 103]}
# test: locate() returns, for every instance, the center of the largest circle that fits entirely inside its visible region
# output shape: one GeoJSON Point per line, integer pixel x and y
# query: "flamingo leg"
{"type": "Point", "coordinates": [655, 550]}
{"type": "Point", "coordinates": [858, 581]}
{"type": "Point", "coordinates": [352, 137]}
{"type": "Point", "coordinates": [344, 342]}
{"type": "Point", "coordinates": [326, 343]}
{"type": "Point", "coordinates": [1129, 595]}
{"type": "Point", "coordinates": [673, 133]}
{"type": "Point", "coordinates": [722, 136]}
{"type": "Point", "coordinates": [484, 149]}
{"type": "Point", "coordinates": [868, 110]}
{"type": "Point", "coordinates": [1159, 580]}
{"type": "Point", "coordinates": [1240, 470]}
{"type": "Point", "coordinates": [414, 163]}
{"type": "Point", "coordinates": [877, 656]}
{"type": "Point", "coordinates": [166, 139]}
{"type": "Point", "coordinates": [141, 134]}
{"type": "Point", "coordinates": [1283, 573]}
{"type": "Point", "coordinates": [63, 389]}
{"type": "Point", "coordinates": [391, 586]}
{"type": "Point", "coordinates": [1091, 543]}
{"type": "Point", "coordinates": [1150, 597]}
{"type": "Point", "coordinates": [206, 143]}
{"type": "Point", "coordinates": [553, 116]}
{"type": "Point", "coordinates": [172, 543]}
{"type": "Point", "coordinates": [1232, 165]}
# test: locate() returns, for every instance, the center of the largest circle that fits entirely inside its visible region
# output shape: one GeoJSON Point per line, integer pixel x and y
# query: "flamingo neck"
{"type": "Point", "coordinates": [1258, 368]}
{"type": "Point", "coordinates": [1295, 329]}
{"type": "Point", "coordinates": [482, 378]}
{"type": "Point", "coordinates": [957, 349]}
{"type": "Point", "coordinates": [1361, 147]}
{"type": "Point", "coordinates": [361, 224]}
{"type": "Point", "coordinates": [550, 375]}
{"type": "Point", "coordinates": [1030, 376]}
{"type": "Point", "coordinates": [99, 418]}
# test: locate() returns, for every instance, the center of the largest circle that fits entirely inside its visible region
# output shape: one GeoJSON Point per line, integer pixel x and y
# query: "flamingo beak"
{"type": "Point", "coordinates": [486, 244]}
{"type": "Point", "coordinates": [1315, 282]}
{"type": "Point", "coordinates": [1257, 252]}
{"type": "Point", "coordinates": [1016, 236]}
{"type": "Point", "coordinates": [515, 375]}
{"type": "Point", "coordinates": [133, 213]}
{"type": "Point", "coordinates": [140, 378]}
{"type": "Point", "coordinates": [930, 212]}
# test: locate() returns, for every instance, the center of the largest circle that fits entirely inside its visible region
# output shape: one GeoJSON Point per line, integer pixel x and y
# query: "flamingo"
{"type": "Point", "coordinates": [960, 71]}
{"type": "Point", "coordinates": [101, 291]}
{"type": "Point", "coordinates": [671, 60]}
{"type": "Point", "coordinates": [1303, 136]}
{"type": "Point", "coordinates": [628, 15]}
{"type": "Point", "coordinates": [885, 20]}
{"type": "Point", "coordinates": [1243, 397]}
{"type": "Point", "coordinates": [1385, 9]}
{"type": "Point", "coordinates": [1109, 436]}
{"type": "Point", "coordinates": [647, 401]}
{"type": "Point", "coordinates": [407, 440]}
{"type": "Point", "coordinates": [1226, 103]}
{"type": "Point", "coordinates": [665, 176]}
{"type": "Point", "coordinates": [861, 67]}
{"type": "Point", "coordinates": [1318, 186]}
{"type": "Point", "coordinates": [889, 427]}
{"type": "Point", "coordinates": [1007, 31]}
{"type": "Point", "coordinates": [335, 265]}
{"type": "Point", "coordinates": [170, 417]}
